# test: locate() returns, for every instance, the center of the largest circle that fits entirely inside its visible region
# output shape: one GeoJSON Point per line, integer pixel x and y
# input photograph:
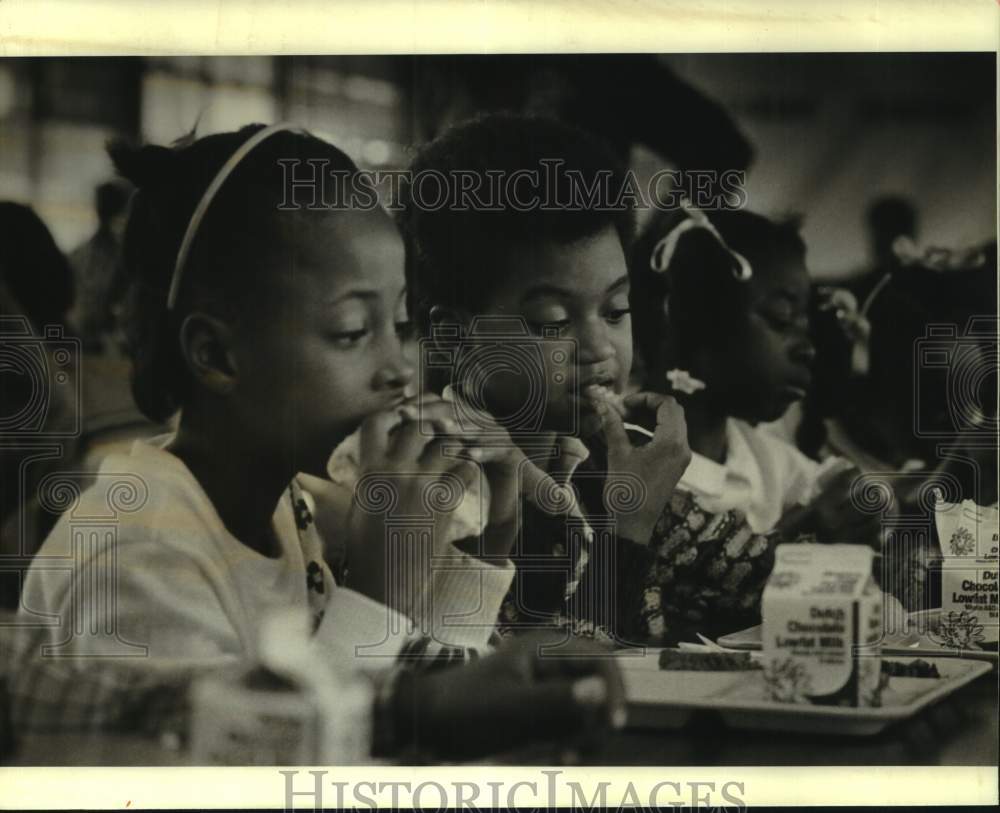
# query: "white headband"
{"type": "Point", "coordinates": [663, 251]}
{"type": "Point", "coordinates": [206, 200]}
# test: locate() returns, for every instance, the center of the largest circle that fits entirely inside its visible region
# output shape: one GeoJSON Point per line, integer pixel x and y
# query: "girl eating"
{"type": "Point", "coordinates": [526, 280]}
{"type": "Point", "coordinates": [269, 332]}
{"type": "Point", "coordinates": [720, 305]}
{"type": "Point", "coordinates": [669, 566]}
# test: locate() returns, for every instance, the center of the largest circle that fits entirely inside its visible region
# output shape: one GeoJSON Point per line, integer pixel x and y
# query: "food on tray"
{"type": "Point", "coordinates": [605, 393]}
{"type": "Point", "coordinates": [915, 669]}
{"type": "Point", "coordinates": [706, 661]}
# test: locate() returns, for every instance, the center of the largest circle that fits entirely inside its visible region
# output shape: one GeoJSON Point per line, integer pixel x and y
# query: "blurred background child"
{"type": "Point", "coordinates": [36, 294]}
{"type": "Point", "coordinates": [722, 318]}
{"type": "Point", "coordinates": [96, 271]}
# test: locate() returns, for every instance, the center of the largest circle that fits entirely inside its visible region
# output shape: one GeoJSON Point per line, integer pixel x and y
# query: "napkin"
{"type": "Point", "coordinates": [468, 518]}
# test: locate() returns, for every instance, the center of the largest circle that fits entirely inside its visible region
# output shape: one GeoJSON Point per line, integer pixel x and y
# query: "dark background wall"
{"type": "Point", "coordinates": [828, 132]}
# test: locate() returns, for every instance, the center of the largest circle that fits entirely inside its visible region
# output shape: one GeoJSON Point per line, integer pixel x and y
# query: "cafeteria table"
{"type": "Point", "coordinates": [962, 729]}
{"type": "Point", "coordinates": [959, 730]}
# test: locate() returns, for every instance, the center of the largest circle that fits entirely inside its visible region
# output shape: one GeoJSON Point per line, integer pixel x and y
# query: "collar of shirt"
{"type": "Point", "coordinates": [714, 479]}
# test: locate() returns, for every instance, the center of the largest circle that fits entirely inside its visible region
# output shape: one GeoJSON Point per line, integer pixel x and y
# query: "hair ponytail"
{"type": "Point", "coordinates": [147, 167]}
{"type": "Point", "coordinates": [150, 239]}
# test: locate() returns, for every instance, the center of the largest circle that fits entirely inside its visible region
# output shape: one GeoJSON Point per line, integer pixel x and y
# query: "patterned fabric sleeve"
{"type": "Point", "coordinates": [590, 610]}
{"type": "Point", "coordinates": [575, 576]}
{"type": "Point", "coordinates": [701, 572]}
{"type": "Point", "coordinates": [709, 572]}
{"type": "Point", "coordinates": [48, 697]}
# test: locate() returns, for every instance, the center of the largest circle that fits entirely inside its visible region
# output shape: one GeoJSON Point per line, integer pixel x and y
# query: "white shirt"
{"type": "Point", "coordinates": [763, 476]}
{"type": "Point", "coordinates": [141, 565]}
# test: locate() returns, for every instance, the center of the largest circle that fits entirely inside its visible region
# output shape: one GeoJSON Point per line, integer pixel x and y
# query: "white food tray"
{"type": "Point", "coordinates": [661, 698]}
{"type": "Point", "coordinates": [897, 645]}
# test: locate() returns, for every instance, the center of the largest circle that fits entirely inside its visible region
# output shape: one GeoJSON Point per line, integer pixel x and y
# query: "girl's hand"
{"type": "Point", "coordinates": [833, 517]}
{"type": "Point", "coordinates": [502, 461]}
{"type": "Point", "coordinates": [534, 688]}
{"type": "Point", "coordinates": [844, 306]}
{"type": "Point", "coordinates": [659, 465]}
{"type": "Point", "coordinates": [853, 324]}
{"type": "Point", "coordinates": [401, 456]}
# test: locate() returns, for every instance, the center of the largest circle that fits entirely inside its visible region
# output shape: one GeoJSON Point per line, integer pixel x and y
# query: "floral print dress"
{"type": "Point", "coordinates": [708, 572]}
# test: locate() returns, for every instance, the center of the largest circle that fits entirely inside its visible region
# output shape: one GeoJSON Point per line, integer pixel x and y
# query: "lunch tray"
{"type": "Point", "coordinates": [667, 699]}
{"type": "Point", "coordinates": [895, 645]}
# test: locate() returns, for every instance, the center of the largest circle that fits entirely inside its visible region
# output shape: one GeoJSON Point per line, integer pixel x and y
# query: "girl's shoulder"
{"type": "Point", "coordinates": [136, 496]}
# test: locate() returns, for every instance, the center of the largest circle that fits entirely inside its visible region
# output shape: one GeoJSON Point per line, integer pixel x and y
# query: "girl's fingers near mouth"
{"type": "Point", "coordinates": [605, 395]}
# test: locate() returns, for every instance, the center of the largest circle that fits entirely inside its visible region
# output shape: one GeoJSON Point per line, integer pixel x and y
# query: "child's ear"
{"type": "Point", "coordinates": [206, 344]}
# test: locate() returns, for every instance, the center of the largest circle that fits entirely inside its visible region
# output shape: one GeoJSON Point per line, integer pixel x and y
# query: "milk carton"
{"type": "Point", "coordinates": [294, 707]}
{"type": "Point", "coordinates": [970, 602]}
{"type": "Point", "coordinates": [823, 626]}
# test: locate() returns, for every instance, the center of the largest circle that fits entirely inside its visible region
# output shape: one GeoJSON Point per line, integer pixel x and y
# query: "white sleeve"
{"type": "Point", "coordinates": [461, 604]}
{"type": "Point", "coordinates": [362, 633]}
{"type": "Point", "coordinates": [457, 605]}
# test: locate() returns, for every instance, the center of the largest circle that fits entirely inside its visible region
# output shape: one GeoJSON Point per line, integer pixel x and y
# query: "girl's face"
{"type": "Point", "coordinates": [324, 348]}
{"type": "Point", "coordinates": [579, 294]}
{"type": "Point", "coordinates": [764, 365]}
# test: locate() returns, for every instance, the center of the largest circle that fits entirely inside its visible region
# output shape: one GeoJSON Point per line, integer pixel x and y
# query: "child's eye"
{"type": "Point", "coordinates": [556, 325]}
{"type": "Point", "coordinates": [617, 315]}
{"type": "Point", "coordinates": [348, 338]}
{"type": "Point", "coordinates": [780, 314]}
{"type": "Point", "coordinates": [784, 321]}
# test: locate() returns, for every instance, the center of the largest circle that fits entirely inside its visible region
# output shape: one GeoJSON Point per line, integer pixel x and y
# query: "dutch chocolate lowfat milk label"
{"type": "Point", "coordinates": [970, 612]}
{"type": "Point", "coordinates": [821, 606]}
{"type": "Point", "coordinates": [970, 591]}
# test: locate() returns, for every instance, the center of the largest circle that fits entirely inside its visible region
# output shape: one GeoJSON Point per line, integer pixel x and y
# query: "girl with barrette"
{"type": "Point", "coordinates": [721, 308]}
{"type": "Point", "coordinates": [719, 305]}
